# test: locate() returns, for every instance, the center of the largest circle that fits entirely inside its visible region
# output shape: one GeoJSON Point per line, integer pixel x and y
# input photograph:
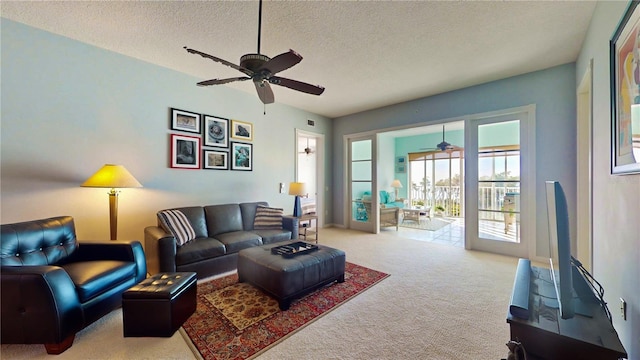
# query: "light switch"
{"type": "Point", "coordinates": [281, 188]}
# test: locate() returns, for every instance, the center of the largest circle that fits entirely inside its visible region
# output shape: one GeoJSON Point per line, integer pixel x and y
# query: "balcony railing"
{"type": "Point", "coordinates": [450, 198]}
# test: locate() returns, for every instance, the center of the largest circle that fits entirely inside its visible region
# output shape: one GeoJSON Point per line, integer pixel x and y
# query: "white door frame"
{"type": "Point", "coordinates": [584, 173]}
{"type": "Point", "coordinates": [320, 170]}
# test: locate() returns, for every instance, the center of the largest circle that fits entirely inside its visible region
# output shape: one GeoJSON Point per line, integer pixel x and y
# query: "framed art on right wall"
{"type": "Point", "coordinates": [625, 93]}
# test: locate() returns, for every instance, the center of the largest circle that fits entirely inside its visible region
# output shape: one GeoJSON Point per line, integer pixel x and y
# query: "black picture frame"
{"type": "Point", "coordinates": [182, 120]}
{"type": "Point", "coordinates": [624, 49]}
{"type": "Point", "coordinates": [215, 160]}
{"type": "Point", "coordinates": [185, 152]}
{"type": "Point", "coordinates": [241, 156]}
{"type": "Point", "coordinates": [216, 131]}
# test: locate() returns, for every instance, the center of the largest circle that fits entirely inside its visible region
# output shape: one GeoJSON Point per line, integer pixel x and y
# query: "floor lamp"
{"type": "Point", "coordinates": [112, 176]}
{"type": "Point", "coordinates": [297, 189]}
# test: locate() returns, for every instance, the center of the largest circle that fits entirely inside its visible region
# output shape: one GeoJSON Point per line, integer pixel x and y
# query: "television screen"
{"type": "Point", "coordinates": [560, 248]}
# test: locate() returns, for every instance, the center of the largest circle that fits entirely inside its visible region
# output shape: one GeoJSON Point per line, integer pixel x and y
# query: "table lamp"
{"type": "Point", "coordinates": [297, 189]}
{"type": "Point", "coordinates": [112, 176]}
{"type": "Point", "coordinates": [397, 185]}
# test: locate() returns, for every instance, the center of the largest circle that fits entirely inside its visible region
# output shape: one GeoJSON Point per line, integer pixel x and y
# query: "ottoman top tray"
{"type": "Point", "coordinates": [294, 249]}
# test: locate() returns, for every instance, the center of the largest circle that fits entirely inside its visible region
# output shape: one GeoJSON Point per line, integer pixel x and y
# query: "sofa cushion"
{"type": "Point", "coordinates": [222, 219]}
{"type": "Point", "coordinates": [199, 249]}
{"type": "Point", "coordinates": [92, 278]}
{"type": "Point", "coordinates": [272, 236]}
{"type": "Point", "coordinates": [248, 211]}
{"type": "Point", "coordinates": [176, 223]}
{"type": "Point", "coordinates": [237, 240]}
{"type": "Point", "coordinates": [391, 197]}
{"type": "Point", "coordinates": [384, 197]}
{"type": "Point", "coordinates": [268, 218]}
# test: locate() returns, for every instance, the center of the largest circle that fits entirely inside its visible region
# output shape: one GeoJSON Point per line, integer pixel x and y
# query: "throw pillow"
{"type": "Point", "coordinates": [391, 197]}
{"type": "Point", "coordinates": [308, 205]}
{"type": "Point", "coordinates": [384, 197]}
{"type": "Point", "coordinates": [176, 223]}
{"type": "Point", "coordinates": [268, 218]}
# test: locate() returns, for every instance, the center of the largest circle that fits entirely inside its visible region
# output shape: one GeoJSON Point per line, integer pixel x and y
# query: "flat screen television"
{"type": "Point", "coordinates": [560, 248]}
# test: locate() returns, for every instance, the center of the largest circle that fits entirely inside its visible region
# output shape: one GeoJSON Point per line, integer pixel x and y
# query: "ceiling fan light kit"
{"type": "Point", "coordinates": [262, 70]}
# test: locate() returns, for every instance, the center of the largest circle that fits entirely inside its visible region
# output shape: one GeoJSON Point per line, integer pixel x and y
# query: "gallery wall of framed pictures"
{"type": "Point", "coordinates": [203, 141]}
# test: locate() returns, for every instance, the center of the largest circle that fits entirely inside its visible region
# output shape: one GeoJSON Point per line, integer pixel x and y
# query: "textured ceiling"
{"type": "Point", "coordinates": [366, 54]}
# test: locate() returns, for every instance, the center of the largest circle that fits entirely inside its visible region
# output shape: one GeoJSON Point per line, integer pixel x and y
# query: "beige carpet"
{"type": "Point", "coordinates": [440, 302]}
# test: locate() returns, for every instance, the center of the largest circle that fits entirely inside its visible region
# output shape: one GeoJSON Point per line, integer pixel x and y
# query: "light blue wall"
{"type": "Point", "coordinates": [69, 107]}
{"type": "Point", "coordinates": [552, 91]}
{"type": "Point", "coordinates": [616, 199]}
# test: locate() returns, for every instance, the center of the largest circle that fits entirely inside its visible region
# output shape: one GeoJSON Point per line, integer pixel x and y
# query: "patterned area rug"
{"type": "Point", "coordinates": [237, 321]}
{"type": "Point", "coordinates": [433, 224]}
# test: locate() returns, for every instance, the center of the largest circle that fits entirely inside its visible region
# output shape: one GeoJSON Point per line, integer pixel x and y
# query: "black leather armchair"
{"type": "Point", "coordinates": [52, 286]}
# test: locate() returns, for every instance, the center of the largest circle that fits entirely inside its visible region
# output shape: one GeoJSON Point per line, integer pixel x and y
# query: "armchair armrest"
{"type": "Point", "coordinates": [130, 251]}
{"type": "Point", "coordinates": [161, 248]}
{"type": "Point", "coordinates": [39, 305]}
{"type": "Point", "coordinates": [291, 223]}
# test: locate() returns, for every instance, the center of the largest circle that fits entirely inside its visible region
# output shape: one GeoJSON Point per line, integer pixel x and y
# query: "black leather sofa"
{"type": "Point", "coordinates": [53, 286]}
{"type": "Point", "coordinates": [221, 231]}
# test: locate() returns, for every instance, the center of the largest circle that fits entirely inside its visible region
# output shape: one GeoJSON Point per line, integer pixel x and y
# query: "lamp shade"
{"type": "Point", "coordinates": [396, 184]}
{"type": "Point", "coordinates": [112, 176]}
{"type": "Point", "coordinates": [297, 188]}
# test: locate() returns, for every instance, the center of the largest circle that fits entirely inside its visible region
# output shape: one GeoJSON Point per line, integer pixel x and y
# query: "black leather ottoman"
{"type": "Point", "coordinates": [288, 278]}
{"type": "Point", "coordinates": [159, 305]}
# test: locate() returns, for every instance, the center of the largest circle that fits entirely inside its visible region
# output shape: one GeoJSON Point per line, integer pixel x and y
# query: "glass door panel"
{"type": "Point", "coordinates": [495, 184]}
{"type": "Point", "coordinates": [363, 200]}
{"type": "Point", "coordinates": [499, 181]}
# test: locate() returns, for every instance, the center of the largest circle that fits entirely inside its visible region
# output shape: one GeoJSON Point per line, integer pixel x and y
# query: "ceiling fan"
{"type": "Point", "coordinates": [308, 150]}
{"type": "Point", "coordinates": [443, 146]}
{"type": "Point", "coordinates": [262, 70]}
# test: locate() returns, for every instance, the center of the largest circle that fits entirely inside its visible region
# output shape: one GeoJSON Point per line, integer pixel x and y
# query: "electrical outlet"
{"type": "Point", "coordinates": [623, 309]}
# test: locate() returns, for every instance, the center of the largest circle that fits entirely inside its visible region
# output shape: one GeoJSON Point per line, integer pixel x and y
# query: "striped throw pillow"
{"type": "Point", "coordinates": [268, 218]}
{"type": "Point", "coordinates": [177, 224]}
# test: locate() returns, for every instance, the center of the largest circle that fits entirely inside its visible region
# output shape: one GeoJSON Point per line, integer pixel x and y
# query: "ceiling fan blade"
{"type": "Point", "coordinates": [221, 81]}
{"type": "Point", "coordinates": [221, 61]}
{"type": "Point", "coordinates": [297, 85]}
{"type": "Point", "coordinates": [264, 92]}
{"type": "Point", "coordinates": [281, 62]}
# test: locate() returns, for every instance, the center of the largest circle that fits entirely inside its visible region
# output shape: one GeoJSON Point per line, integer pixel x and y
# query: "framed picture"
{"type": "Point", "coordinates": [216, 131]}
{"type": "Point", "coordinates": [625, 93]}
{"type": "Point", "coordinates": [185, 121]}
{"type": "Point", "coordinates": [241, 156]}
{"type": "Point", "coordinates": [401, 164]}
{"type": "Point", "coordinates": [241, 130]}
{"type": "Point", "coordinates": [185, 151]}
{"type": "Point", "coordinates": [216, 160]}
